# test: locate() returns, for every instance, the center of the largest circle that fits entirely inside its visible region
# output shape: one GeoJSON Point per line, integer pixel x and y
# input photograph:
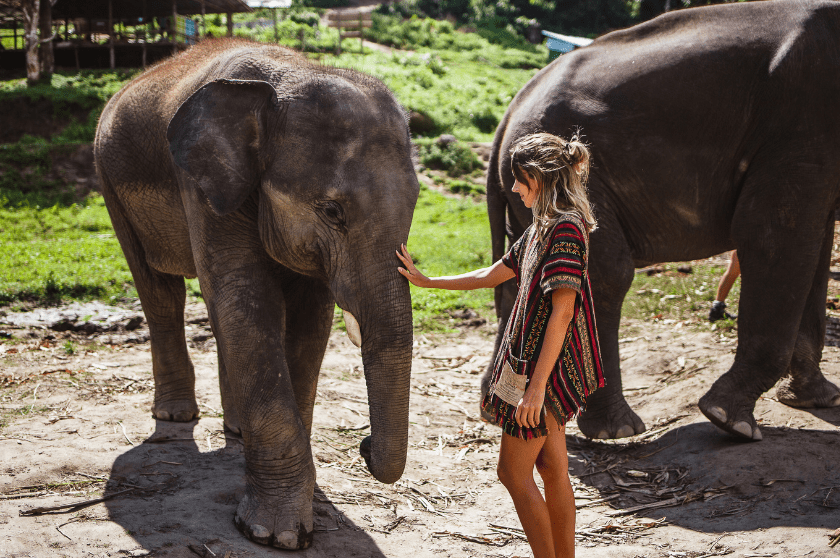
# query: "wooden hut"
{"type": "Point", "coordinates": [111, 33]}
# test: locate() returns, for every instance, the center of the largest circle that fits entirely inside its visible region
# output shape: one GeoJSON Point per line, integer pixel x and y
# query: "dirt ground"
{"type": "Point", "coordinates": [77, 427]}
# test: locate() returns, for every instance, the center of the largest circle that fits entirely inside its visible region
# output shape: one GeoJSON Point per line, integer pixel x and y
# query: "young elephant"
{"type": "Point", "coordinates": [286, 188]}
{"type": "Point", "coordinates": [711, 129]}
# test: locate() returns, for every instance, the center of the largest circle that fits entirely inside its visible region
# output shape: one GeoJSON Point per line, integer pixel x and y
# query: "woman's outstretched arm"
{"type": "Point", "coordinates": [484, 278]}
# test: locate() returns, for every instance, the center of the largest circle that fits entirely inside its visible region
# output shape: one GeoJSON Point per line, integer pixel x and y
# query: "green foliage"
{"type": "Point", "coordinates": [465, 187]}
{"type": "Point", "coordinates": [455, 158]}
{"type": "Point", "coordinates": [459, 91]}
{"type": "Point", "coordinates": [68, 93]}
{"type": "Point", "coordinates": [491, 45]}
{"type": "Point", "coordinates": [448, 236]}
{"type": "Point", "coordinates": [576, 17]}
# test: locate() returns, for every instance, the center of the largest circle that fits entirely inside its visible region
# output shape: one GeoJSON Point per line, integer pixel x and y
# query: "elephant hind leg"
{"type": "Point", "coordinates": [163, 297]}
{"type": "Point", "coordinates": [804, 385]}
{"type": "Point", "coordinates": [783, 251]}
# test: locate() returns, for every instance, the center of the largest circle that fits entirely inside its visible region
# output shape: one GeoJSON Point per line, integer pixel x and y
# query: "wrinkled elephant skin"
{"type": "Point", "coordinates": [711, 129]}
{"type": "Point", "coordinates": [286, 188]}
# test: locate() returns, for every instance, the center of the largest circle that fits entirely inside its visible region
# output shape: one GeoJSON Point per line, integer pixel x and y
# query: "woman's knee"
{"type": "Point", "coordinates": [552, 467]}
{"type": "Point", "coordinates": [511, 476]}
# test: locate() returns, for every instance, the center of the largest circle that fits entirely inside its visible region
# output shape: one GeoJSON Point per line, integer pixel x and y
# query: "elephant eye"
{"type": "Point", "coordinates": [332, 214]}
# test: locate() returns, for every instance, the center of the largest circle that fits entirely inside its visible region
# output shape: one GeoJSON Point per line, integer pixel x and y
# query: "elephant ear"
{"type": "Point", "coordinates": [215, 138]}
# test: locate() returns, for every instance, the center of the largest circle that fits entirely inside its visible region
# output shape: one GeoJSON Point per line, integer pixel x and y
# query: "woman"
{"type": "Point", "coordinates": [550, 344]}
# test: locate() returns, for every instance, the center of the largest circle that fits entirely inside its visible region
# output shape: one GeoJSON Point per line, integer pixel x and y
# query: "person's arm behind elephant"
{"type": "Point", "coordinates": [484, 278]}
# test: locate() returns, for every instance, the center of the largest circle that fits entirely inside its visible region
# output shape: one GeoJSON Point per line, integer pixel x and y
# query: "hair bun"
{"type": "Point", "coordinates": [577, 154]}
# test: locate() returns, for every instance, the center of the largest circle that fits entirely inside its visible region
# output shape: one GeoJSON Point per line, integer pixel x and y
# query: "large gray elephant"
{"type": "Point", "coordinates": [711, 129]}
{"type": "Point", "coordinates": [285, 187]}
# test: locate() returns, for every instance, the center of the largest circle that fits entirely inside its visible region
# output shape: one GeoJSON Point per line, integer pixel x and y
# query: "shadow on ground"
{"type": "Point", "coordinates": [183, 501]}
{"type": "Point", "coordinates": [720, 484]}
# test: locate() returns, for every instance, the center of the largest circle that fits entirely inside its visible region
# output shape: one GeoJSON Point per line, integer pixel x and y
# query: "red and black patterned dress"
{"type": "Point", "coordinates": [558, 260]}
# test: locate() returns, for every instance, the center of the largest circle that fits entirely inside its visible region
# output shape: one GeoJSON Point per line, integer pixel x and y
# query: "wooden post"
{"type": "Point", "coordinates": [338, 46]}
{"type": "Point", "coordinates": [230, 24]}
{"type": "Point", "coordinates": [274, 18]}
{"type": "Point", "coordinates": [302, 41]}
{"type": "Point", "coordinates": [111, 33]}
{"type": "Point", "coordinates": [14, 31]}
{"type": "Point", "coordinates": [145, 33]}
{"type": "Point", "coordinates": [361, 35]}
{"type": "Point", "coordinates": [203, 19]}
{"type": "Point", "coordinates": [174, 27]}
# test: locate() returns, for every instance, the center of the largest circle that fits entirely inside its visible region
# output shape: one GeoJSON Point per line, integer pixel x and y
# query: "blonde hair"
{"type": "Point", "coordinates": [561, 169]}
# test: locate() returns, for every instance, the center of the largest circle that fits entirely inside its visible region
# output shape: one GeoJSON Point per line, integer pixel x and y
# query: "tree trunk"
{"type": "Point", "coordinates": [31, 9]}
{"type": "Point", "coordinates": [45, 52]}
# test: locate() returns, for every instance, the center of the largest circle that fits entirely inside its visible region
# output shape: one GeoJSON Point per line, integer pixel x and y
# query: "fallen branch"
{"type": "Point", "coordinates": [598, 501]}
{"type": "Point", "coordinates": [480, 540]}
{"type": "Point", "coordinates": [76, 506]}
{"type": "Point", "coordinates": [677, 500]}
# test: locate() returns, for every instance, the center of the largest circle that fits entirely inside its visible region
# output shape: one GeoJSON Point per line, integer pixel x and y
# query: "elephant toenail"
{"type": "Point", "coordinates": [163, 415]}
{"type": "Point", "coordinates": [602, 435]}
{"type": "Point", "coordinates": [260, 534]}
{"type": "Point", "coordinates": [625, 432]}
{"type": "Point", "coordinates": [743, 429]}
{"type": "Point", "coordinates": [718, 413]}
{"type": "Point", "coordinates": [757, 435]}
{"type": "Point", "coordinates": [835, 402]}
{"type": "Point", "coordinates": [287, 540]}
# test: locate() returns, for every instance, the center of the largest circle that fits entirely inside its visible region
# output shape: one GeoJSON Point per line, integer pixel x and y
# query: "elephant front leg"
{"type": "Point", "coordinates": [804, 385]}
{"type": "Point", "coordinates": [229, 411]}
{"type": "Point", "coordinates": [607, 414]}
{"type": "Point", "coordinates": [248, 313]}
{"type": "Point", "coordinates": [309, 315]}
{"type": "Point", "coordinates": [276, 509]}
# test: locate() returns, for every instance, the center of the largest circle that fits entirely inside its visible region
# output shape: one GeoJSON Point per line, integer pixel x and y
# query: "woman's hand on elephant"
{"type": "Point", "coordinates": [410, 272]}
{"type": "Point", "coordinates": [529, 410]}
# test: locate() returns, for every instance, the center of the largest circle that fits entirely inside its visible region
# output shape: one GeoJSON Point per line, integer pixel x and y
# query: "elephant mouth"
{"type": "Point", "coordinates": [354, 332]}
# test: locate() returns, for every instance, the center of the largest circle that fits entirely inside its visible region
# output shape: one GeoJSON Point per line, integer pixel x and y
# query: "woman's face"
{"type": "Point", "coordinates": [527, 191]}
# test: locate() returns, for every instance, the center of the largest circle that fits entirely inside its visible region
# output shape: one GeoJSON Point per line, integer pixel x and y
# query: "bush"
{"type": "Point", "coordinates": [453, 157]}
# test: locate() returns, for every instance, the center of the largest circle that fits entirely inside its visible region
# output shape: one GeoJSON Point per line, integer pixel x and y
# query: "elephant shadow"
{"type": "Point", "coordinates": [830, 415]}
{"type": "Point", "coordinates": [720, 484]}
{"type": "Point", "coordinates": [179, 501]}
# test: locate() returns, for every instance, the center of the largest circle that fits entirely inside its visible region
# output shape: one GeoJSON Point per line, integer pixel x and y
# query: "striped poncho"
{"type": "Point", "coordinates": [558, 260]}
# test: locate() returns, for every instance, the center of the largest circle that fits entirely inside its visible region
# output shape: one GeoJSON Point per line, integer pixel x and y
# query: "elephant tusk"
{"type": "Point", "coordinates": [354, 332]}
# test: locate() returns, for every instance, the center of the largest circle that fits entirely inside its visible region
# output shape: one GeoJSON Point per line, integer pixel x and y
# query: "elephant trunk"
{"type": "Point", "coordinates": [387, 339]}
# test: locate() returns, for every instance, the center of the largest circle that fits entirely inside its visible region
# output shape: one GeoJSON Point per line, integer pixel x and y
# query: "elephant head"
{"type": "Point", "coordinates": [327, 158]}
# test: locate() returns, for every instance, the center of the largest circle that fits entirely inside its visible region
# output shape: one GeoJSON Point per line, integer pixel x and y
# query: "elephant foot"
{"type": "Point", "coordinates": [610, 421]}
{"type": "Point", "coordinates": [815, 391]}
{"type": "Point", "coordinates": [231, 420]}
{"type": "Point", "coordinates": [178, 410]}
{"type": "Point", "coordinates": [731, 415]}
{"type": "Point", "coordinates": [232, 426]}
{"type": "Point", "coordinates": [261, 521]}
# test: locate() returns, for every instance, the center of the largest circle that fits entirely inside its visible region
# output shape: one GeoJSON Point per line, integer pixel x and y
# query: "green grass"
{"type": "Point", "coordinates": [678, 296]}
{"type": "Point", "coordinates": [59, 252]}
{"type": "Point", "coordinates": [448, 236]}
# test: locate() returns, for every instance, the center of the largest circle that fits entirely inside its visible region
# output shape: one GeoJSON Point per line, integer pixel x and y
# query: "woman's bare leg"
{"type": "Point", "coordinates": [553, 466]}
{"type": "Point", "coordinates": [517, 458]}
